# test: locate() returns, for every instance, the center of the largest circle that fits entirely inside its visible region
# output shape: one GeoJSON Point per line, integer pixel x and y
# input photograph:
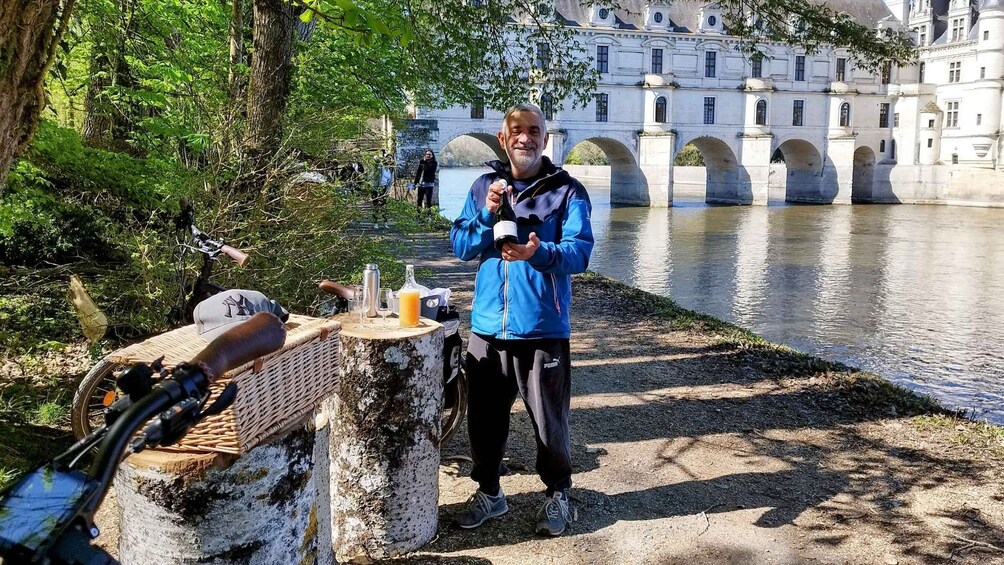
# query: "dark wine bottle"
{"type": "Point", "coordinates": [505, 220]}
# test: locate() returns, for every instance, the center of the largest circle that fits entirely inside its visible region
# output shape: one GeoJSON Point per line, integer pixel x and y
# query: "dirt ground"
{"type": "Point", "coordinates": [691, 450]}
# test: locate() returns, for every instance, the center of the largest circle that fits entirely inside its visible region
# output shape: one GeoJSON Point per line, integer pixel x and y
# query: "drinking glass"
{"type": "Point", "coordinates": [385, 304]}
{"type": "Point", "coordinates": [359, 303]}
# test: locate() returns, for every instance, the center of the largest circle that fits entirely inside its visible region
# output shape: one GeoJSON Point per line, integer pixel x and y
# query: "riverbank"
{"type": "Point", "coordinates": [695, 441]}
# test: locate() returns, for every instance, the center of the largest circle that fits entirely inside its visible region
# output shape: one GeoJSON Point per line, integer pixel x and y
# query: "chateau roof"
{"type": "Point", "coordinates": [685, 14]}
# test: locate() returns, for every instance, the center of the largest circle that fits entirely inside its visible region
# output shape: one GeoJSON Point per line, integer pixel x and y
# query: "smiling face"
{"type": "Point", "coordinates": [524, 136]}
{"type": "Point", "coordinates": [428, 155]}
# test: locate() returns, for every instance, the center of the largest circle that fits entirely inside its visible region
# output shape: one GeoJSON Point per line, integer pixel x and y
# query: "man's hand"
{"type": "Point", "coordinates": [494, 198]}
{"type": "Point", "coordinates": [520, 252]}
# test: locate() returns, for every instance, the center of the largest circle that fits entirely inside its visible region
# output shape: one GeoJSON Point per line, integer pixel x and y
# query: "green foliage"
{"type": "Point", "coordinates": [114, 181]}
{"type": "Point", "coordinates": [689, 156]}
{"type": "Point", "coordinates": [812, 25]}
{"type": "Point", "coordinates": [33, 313]}
{"type": "Point", "coordinates": [587, 153]}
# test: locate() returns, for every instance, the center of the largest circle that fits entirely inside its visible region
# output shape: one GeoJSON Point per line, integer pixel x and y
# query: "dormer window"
{"type": "Point", "coordinates": [603, 13]}
{"type": "Point", "coordinates": [712, 21]}
{"type": "Point", "coordinates": [657, 18]}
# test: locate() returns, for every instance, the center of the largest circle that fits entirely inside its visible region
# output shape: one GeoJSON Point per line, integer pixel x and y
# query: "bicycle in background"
{"type": "Point", "coordinates": [97, 391]}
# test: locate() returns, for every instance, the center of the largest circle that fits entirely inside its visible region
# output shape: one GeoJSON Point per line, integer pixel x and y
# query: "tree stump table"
{"type": "Point", "coordinates": [383, 433]}
{"type": "Point", "coordinates": [187, 508]}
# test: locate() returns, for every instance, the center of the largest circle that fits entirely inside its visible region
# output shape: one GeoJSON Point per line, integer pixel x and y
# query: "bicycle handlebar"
{"type": "Point", "coordinates": [47, 516]}
{"type": "Point", "coordinates": [331, 287]}
{"type": "Point", "coordinates": [237, 255]}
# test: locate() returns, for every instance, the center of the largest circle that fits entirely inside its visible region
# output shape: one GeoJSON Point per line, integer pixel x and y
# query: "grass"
{"type": "Point", "coordinates": [978, 436]}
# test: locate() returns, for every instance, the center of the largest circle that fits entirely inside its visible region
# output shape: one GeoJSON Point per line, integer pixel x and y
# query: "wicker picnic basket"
{"type": "Point", "coordinates": [274, 391]}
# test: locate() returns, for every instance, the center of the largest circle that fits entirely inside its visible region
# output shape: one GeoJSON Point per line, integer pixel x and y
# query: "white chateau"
{"type": "Point", "coordinates": [929, 132]}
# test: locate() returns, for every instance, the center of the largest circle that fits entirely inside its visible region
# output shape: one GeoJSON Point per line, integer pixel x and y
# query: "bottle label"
{"type": "Point", "coordinates": [505, 229]}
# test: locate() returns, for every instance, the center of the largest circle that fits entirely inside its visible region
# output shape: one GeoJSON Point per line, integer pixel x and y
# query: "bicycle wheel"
{"type": "Point", "coordinates": [454, 406]}
{"type": "Point", "coordinates": [95, 392]}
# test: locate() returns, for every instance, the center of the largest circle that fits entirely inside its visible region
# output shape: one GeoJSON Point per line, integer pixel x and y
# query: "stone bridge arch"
{"type": "Point", "coordinates": [727, 181]}
{"type": "Point", "coordinates": [801, 166]}
{"type": "Point", "coordinates": [628, 184]}
{"type": "Point", "coordinates": [863, 174]}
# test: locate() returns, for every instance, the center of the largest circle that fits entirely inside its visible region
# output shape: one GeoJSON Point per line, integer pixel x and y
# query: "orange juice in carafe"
{"type": "Point", "coordinates": [409, 299]}
{"type": "Point", "coordinates": [408, 307]}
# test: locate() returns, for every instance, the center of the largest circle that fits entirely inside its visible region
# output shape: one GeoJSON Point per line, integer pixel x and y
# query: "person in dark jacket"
{"type": "Point", "coordinates": [519, 343]}
{"type": "Point", "coordinates": [425, 181]}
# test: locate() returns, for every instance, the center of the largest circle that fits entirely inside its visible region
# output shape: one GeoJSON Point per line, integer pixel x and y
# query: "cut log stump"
{"type": "Point", "coordinates": [384, 439]}
{"type": "Point", "coordinates": [187, 508]}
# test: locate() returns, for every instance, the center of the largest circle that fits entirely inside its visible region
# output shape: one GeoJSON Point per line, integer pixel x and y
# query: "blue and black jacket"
{"type": "Point", "coordinates": [526, 299]}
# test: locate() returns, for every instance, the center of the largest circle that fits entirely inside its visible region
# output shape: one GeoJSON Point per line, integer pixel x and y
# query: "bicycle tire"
{"type": "Point", "coordinates": [455, 414]}
{"type": "Point", "coordinates": [88, 409]}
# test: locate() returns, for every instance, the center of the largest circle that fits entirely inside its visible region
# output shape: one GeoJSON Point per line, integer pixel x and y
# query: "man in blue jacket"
{"type": "Point", "coordinates": [519, 321]}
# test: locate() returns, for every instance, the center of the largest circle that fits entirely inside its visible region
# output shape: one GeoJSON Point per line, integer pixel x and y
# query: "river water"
{"type": "Point", "coordinates": [912, 293]}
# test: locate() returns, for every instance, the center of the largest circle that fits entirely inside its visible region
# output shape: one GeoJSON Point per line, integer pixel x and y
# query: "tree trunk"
{"type": "Point", "coordinates": [188, 508]}
{"type": "Point", "coordinates": [268, 89]}
{"type": "Point", "coordinates": [105, 121]}
{"type": "Point", "coordinates": [236, 47]}
{"type": "Point", "coordinates": [383, 430]}
{"type": "Point", "coordinates": [30, 31]}
{"type": "Point", "coordinates": [97, 118]}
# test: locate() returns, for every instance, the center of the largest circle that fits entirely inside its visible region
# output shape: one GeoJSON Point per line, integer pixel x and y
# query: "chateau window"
{"type": "Point", "coordinates": [884, 115]}
{"type": "Point", "coordinates": [986, 35]}
{"type": "Point", "coordinates": [797, 112]}
{"type": "Point", "coordinates": [657, 17]}
{"type": "Point", "coordinates": [979, 119]}
{"type": "Point", "coordinates": [930, 143]}
{"type": "Point", "coordinates": [602, 58]}
{"type": "Point", "coordinates": [660, 109]}
{"type": "Point", "coordinates": [886, 72]}
{"type": "Point", "coordinates": [895, 120]}
{"type": "Point", "coordinates": [892, 149]}
{"type": "Point", "coordinates": [841, 69]}
{"type": "Point", "coordinates": [709, 109]}
{"type": "Point", "coordinates": [604, 12]}
{"type": "Point", "coordinates": [882, 146]}
{"type": "Point", "coordinates": [955, 71]}
{"type": "Point", "coordinates": [602, 102]}
{"type": "Point", "coordinates": [845, 114]}
{"type": "Point", "coordinates": [478, 107]}
{"type": "Point", "coordinates": [800, 67]}
{"type": "Point", "coordinates": [930, 123]}
{"type": "Point", "coordinates": [983, 72]}
{"type": "Point", "coordinates": [923, 36]}
{"type": "Point", "coordinates": [657, 61]}
{"type": "Point", "coordinates": [547, 106]}
{"type": "Point", "coordinates": [756, 66]}
{"type": "Point", "coordinates": [920, 73]}
{"type": "Point", "coordinates": [709, 64]}
{"type": "Point", "coordinates": [760, 112]}
{"type": "Point", "coordinates": [952, 115]}
{"type": "Point", "coordinates": [958, 29]}
{"type": "Point", "coordinates": [543, 60]}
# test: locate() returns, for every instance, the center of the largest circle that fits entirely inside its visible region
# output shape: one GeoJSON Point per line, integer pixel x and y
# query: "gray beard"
{"type": "Point", "coordinates": [524, 161]}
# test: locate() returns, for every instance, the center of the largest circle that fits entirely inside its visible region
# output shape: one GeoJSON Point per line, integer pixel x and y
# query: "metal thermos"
{"type": "Point", "coordinates": [371, 289]}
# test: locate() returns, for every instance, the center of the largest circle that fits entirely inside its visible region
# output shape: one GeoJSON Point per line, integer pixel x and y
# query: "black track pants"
{"type": "Point", "coordinates": [540, 372]}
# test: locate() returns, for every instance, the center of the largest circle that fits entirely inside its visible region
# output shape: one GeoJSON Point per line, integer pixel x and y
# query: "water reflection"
{"type": "Point", "coordinates": [914, 293]}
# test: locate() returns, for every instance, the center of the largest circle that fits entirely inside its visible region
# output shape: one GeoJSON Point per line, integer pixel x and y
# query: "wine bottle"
{"type": "Point", "coordinates": [505, 220]}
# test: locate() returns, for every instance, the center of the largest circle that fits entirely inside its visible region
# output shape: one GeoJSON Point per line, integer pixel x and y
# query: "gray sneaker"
{"type": "Point", "coordinates": [555, 515]}
{"type": "Point", "coordinates": [481, 507]}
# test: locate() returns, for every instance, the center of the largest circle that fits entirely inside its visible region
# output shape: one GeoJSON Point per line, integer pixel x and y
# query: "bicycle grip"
{"type": "Point", "coordinates": [261, 335]}
{"type": "Point", "coordinates": [237, 255]}
{"type": "Point", "coordinates": [331, 287]}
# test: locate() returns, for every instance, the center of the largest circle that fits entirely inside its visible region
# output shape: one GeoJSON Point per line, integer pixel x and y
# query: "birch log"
{"type": "Point", "coordinates": [384, 440]}
{"type": "Point", "coordinates": [186, 508]}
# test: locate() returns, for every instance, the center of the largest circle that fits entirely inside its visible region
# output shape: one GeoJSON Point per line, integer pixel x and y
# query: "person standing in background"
{"type": "Point", "coordinates": [383, 178]}
{"type": "Point", "coordinates": [425, 181]}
